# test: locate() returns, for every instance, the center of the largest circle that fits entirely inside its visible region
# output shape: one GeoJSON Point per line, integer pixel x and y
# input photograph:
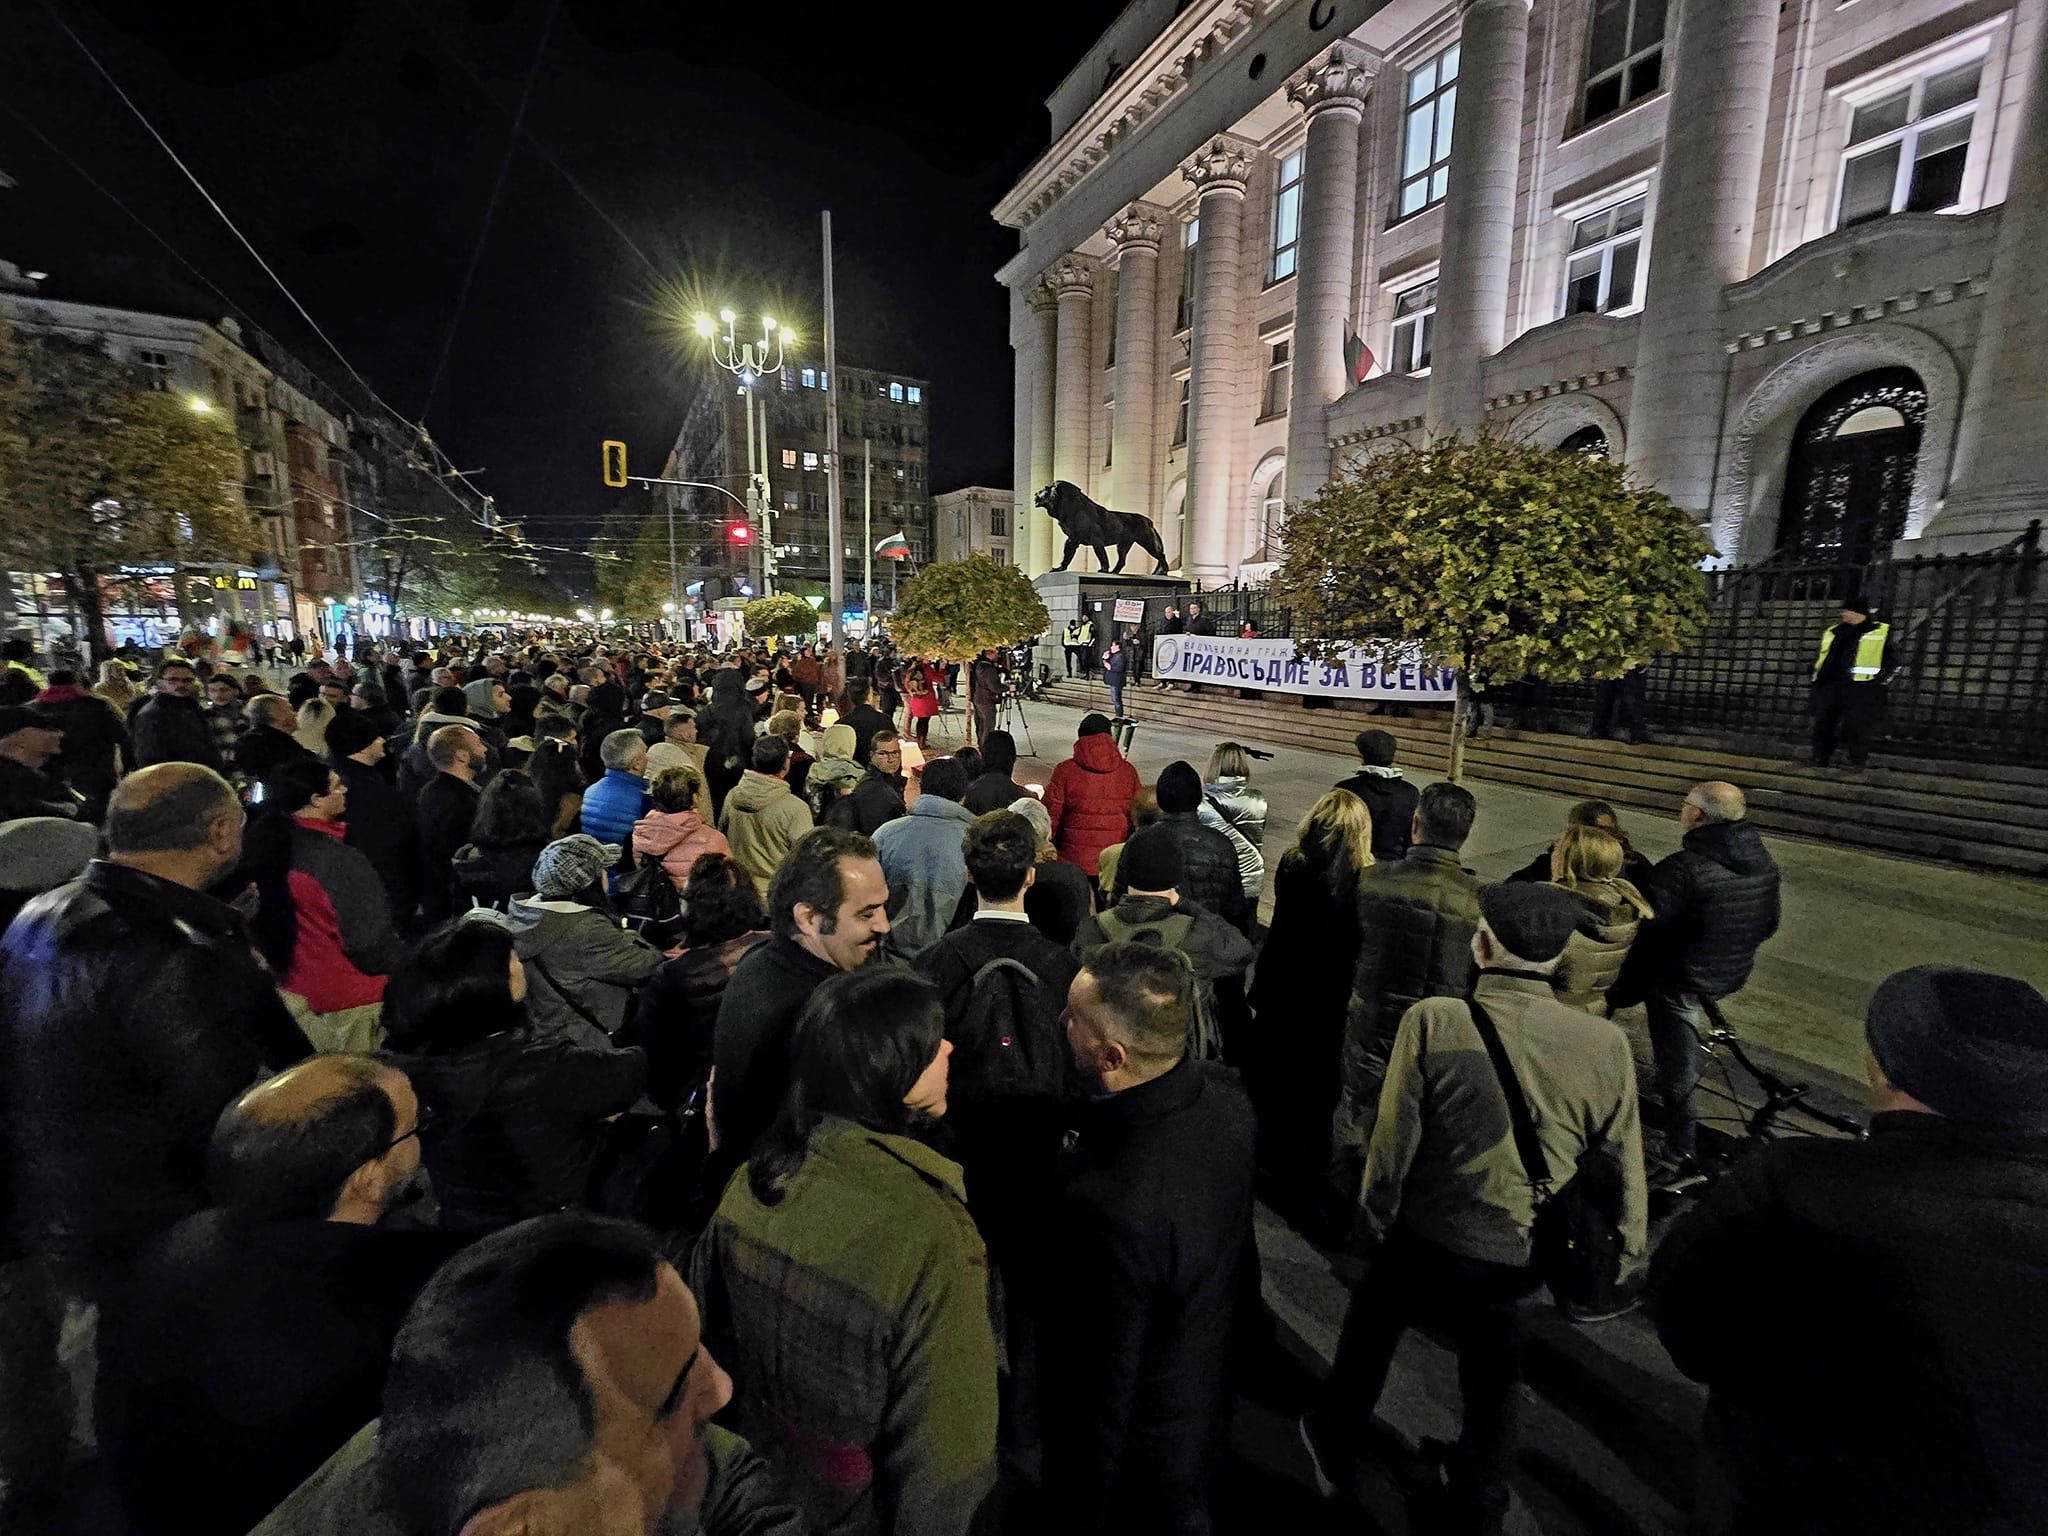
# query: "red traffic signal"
{"type": "Point", "coordinates": [739, 533]}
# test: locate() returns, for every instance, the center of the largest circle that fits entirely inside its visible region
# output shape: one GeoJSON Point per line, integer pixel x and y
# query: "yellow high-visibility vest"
{"type": "Point", "coordinates": [1869, 653]}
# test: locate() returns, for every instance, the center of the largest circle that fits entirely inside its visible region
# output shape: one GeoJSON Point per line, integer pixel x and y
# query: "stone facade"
{"type": "Point", "coordinates": [974, 520]}
{"type": "Point", "coordinates": [1858, 187]}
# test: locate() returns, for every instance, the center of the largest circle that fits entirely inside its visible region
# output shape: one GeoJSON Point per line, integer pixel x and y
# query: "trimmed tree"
{"type": "Point", "coordinates": [1502, 560]}
{"type": "Point", "coordinates": [958, 608]}
{"type": "Point", "coordinates": [780, 614]}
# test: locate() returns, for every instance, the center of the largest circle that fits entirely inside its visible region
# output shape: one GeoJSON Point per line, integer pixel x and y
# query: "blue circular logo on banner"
{"type": "Point", "coordinates": [1169, 654]}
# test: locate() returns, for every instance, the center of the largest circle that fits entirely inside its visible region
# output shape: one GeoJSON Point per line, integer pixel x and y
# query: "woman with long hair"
{"type": "Point", "coordinates": [323, 919]}
{"type": "Point", "coordinates": [921, 697]}
{"type": "Point", "coordinates": [1238, 811]}
{"type": "Point", "coordinates": [846, 1239]}
{"type": "Point", "coordinates": [1301, 986]}
{"type": "Point", "coordinates": [1588, 861]}
{"type": "Point", "coordinates": [518, 1119]}
{"type": "Point", "coordinates": [722, 921]}
{"type": "Point", "coordinates": [510, 830]}
{"type": "Point", "coordinates": [1635, 868]}
{"type": "Point", "coordinates": [116, 684]}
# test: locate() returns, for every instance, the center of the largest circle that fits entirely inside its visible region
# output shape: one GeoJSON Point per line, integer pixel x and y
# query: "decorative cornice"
{"type": "Point", "coordinates": [1337, 80]}
{"type": "Point", "coordinates": [1559, 387]}
{"type": "Point", "coordinates": [1072, 273]}
{"type": "Point", "coordinates": [1378, 431]}
{"type": "Point", "coordinates": [1138, 227]}
{"type": "Point", "coordinates": [1888, 308]}
{"type": "Point", "coordinates": [1223, 165]}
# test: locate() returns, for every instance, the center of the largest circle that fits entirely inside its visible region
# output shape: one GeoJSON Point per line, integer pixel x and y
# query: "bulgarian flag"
{"type": "Point", "coordinates": [894, 547]}
{"type": "Point", "coordinates": [1358, 359]}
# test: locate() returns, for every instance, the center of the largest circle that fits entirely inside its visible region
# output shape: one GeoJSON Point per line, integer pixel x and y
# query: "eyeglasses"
{"type": "Point", "coordinates": [422, 1121]}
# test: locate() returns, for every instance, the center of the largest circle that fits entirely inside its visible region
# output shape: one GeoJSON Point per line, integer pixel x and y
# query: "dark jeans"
{"type": "Point", "coordinates": [1674, 1019]}
{"type": "Point", "coordinates": [1846, 715]}
{"type": "Point", "coordinates": [1077, 659]}
{"type": "Point", "coordinates": [984, 721]}
{"type": "Point", "coordinates": [1413, 1281]}
{"type": "Point", "coordinates": [1116, 698]}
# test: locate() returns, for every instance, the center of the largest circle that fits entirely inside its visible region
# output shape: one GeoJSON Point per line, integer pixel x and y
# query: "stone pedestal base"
{"type": "Point", "coordinates": [1069, 594]}
{"type": "Point", "coordinates": [1971, 525]}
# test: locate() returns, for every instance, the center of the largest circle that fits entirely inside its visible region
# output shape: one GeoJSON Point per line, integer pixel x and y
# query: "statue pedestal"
{"type": "Point", "coordinates": [1069, 594]}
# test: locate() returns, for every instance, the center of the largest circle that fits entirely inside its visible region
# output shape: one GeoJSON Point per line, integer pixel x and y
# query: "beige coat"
{"type": "Point", "coordinates": [763, 820]}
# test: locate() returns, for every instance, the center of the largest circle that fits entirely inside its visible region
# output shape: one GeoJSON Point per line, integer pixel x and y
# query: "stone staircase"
{"type": "Point", "coordinates": [1980, 815]}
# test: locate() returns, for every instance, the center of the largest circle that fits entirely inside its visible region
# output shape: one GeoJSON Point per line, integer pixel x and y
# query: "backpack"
{"type": "Point", "coordinates": [646, 900]}
{"type": "Point", "coordinates": [1575, 1243]}
{"type": "Point", "coordinates": [1205, 1038]}
{"type": "Point", "coordinates": [1008, 1041]}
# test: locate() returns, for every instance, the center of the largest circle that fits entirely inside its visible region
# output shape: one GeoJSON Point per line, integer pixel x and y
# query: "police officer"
{"type": "Point", "coordinates": [1848, 684]}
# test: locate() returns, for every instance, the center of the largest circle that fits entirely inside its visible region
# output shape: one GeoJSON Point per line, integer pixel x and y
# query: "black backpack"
{"type": "Point", "coordinates": [1008, 1043]}
{"type": "Point", "coordinates": [646, 901]}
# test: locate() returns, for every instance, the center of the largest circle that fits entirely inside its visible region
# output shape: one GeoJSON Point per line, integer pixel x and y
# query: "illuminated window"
{"type": "Point", "coordinates": [1190, 236]}
{"type": "Point", "coordinates": [1601, 274]}
{"type": "Point", "coordinates": [789, 458]}
{"type": "Point", "coordinates": [810, 461]}
{"type": "Point", "coordinates": [1907, 149]}
{"type": "Point", "coordinates": [1286, 219]}
{"type": "Point", "coordinates": [1414, 320]}
{"type": "Point", "coordinates": [1279, 376]}
{"type": "Point", "coordinates": [810, 378]}
{"type": "Point", "coordinates": [1426, 132]}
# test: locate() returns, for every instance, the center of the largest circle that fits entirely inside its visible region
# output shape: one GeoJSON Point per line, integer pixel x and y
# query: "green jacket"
{"type": "Point", "coordinates": [345, 1497]}
{"type": "Point", "coordinates": [854, 1317]}
{"type": "Point", "coordinates": [763, 820]}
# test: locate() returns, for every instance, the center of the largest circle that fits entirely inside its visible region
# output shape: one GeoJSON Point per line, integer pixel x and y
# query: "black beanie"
{"type": "Point", "coordinates": [1970, 1045]}
{"type": "Point", "coordinates": [1151, 860]}
{"type": "Point", "coordinates": [1180, 788]}
{"type": "Point", "coordinates": [1533, 922]}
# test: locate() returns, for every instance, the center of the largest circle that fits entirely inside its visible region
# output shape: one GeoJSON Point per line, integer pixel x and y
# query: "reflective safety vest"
{"type": "Point", "coordinates": [1869, 653]}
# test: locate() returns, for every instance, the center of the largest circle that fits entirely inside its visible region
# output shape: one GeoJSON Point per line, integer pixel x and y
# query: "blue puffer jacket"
{"type": "Point", "coordinates": [613, 804]}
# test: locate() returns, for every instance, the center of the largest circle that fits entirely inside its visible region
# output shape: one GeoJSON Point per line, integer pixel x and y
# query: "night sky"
{"type": "Point", "coordinates": [356, 144]}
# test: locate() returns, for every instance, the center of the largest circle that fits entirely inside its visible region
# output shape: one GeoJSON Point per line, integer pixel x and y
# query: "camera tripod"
{"type": "Point", "coordinates": [1010, 717]}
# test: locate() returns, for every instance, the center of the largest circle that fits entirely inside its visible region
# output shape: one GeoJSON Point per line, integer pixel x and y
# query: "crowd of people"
{"type": "Point", "coordinates": [524, 1085]}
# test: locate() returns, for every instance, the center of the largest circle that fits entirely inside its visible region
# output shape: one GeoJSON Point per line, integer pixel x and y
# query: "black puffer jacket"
{"type": "Point", "coordinates": [518, 1123]}
{"type": "Point", "coordinates": [381, 828]}
{"type": "Point", "coordinates": [1716, 901]}
{"type": "Point", "coordinates": [1392, 801]}
{"type": "Point", "coordinates": [1416, 919]}
{"type": "Point", "coordinates": [1209, 874]}
{"type": "Point", "coordinates": [135, 1012]}
{"type": "Point", "coordinates": [168, 729]}
{"type": "Point", "coordinates": [491, 877]}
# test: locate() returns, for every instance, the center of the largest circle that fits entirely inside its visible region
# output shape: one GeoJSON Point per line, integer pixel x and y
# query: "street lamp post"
{"type": "Point", "coordinates": [748, 361]}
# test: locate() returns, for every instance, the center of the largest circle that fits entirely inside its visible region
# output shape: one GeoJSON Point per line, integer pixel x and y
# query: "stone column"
{"type": "Point", "coordinates": [1707, 185]}
{"type": "Point", "coordinates": [1072, 279]}
{"type": "Point", "coordinates": [1134, 234]}
{"type": "Point", "coordinates": [1332, 91]}
{"type": "Point", "coordinates": [1034, 536]}
{"type": "Point", "coordinates": [2001, 480]}
{"type": "Point", "coordinates": [1216, 399]}
{"type": "Point", "coordinates": [1479, 213]}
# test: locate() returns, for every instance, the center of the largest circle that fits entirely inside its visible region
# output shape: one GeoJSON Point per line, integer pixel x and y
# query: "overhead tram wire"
{"type": "Point", "coordinates": [483, 233]}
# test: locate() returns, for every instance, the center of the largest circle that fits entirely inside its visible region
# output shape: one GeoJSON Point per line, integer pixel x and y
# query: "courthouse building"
{"type": "Point", "coordinates": [1787, 259]}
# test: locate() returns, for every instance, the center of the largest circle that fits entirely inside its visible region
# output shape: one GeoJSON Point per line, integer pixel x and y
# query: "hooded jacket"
{"type": "Point", "coordinates": [1392, 800]}
{"type": "Point", "coordinates": [678, 839]}
{"type": "Point", "coordinates": [1716, 901]}
{"type": "Point", "coordinates": [924, 859]}
{"type": "Point", "coordinates": [603, 713]}
{"type": "Point", "coordinates": [725, 726]}
{"type": "Point", "coordinates": [1089, 799]}
{"type": "Point", "coordinates": [762, 821]}
{"type": "Point", "coordinates": [1593, 957]}
{"type": "Point", "coordinates": [582, 968]}
{"type": "Point", "coordinates": [870, 805]}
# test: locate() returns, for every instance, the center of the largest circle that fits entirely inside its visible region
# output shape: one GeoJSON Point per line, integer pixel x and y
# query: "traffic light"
{"type": "Point", "coordinates": [614, 464]}
{"type": "Point", "coordinates": [739, 533]}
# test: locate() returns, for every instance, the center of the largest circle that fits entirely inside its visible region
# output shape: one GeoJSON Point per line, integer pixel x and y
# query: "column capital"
{"type": "Point", "coordinates": [1137, 227]}
{"type": "Point", "coordinates": [1223, 165]}
{"type": "Point", "coordinates": [1072, 274]}
{"type": "Point", "coordinates": [1040, 296]}
{"type": "Point", "coordinates": [1336, 80]}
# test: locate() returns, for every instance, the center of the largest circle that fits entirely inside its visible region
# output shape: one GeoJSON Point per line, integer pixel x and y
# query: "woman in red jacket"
{"type": "Point", "coordinates": [1089, 796]}
{"type": "Point", "coordinates": [921, 694]}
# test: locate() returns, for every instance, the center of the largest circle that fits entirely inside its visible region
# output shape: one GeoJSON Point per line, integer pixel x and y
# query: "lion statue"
{"type": "Point", "coordinates": [1086, 521]}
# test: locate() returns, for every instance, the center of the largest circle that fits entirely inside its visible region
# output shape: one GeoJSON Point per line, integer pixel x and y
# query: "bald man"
{"type": "Point", "coordinates": [255, 1335]}
{"type": "Point", "coordinates": [1714, 902]}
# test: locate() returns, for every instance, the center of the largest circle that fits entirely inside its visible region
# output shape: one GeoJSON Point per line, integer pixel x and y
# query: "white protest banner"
{"type": "Point", "coordinates": [1274, 666]}
{"type": "Point", "coordinates": [1129, 610]}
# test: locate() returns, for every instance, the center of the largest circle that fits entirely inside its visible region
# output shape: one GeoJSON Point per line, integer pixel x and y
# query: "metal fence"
{"type": "Point", "coordinates": [1969, 647]}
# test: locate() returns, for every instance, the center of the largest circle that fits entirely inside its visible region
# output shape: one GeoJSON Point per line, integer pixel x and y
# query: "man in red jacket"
{"type": "Point", "coordinates": [1089, 796]}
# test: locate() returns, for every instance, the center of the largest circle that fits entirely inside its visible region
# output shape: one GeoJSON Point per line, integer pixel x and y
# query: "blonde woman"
{"type": "Point", "coordinates": [314, 716]}
{"type": "Point", "coordinates": [1233, 807]}
{"type": "Point", "coordinates": [1302, 983]}
{"type": "Point", "coordinates": [115, 684]}
{"type": "Point", "coordinates": [1587, 861]}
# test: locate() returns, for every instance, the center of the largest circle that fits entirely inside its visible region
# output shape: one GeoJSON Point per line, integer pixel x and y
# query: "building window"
{"type": "Point", "coordinates": [1414, 320]}
{"type": "Point", "coordinates": [895, 391]}
{"type": "Point", "coordinates": [1624, 55]}
{"type": "Point", "coordinates": [824, 379]}
{"type": "Point", "coordinates": [1286, 219]}
{"type": "Point", "coordinates": [998, 522]}
{"type": "Point", "coordinates": [1108, 433]}
{"type": "Point", "coordinates": [914, 394]}
{"type": "Point", "coordinates": [156, 368]}
{"type": "Point", "coordinates": [1907, 148]}
{"type": "Point", "coordinates": [810, 461]}
{"type": "Point", "coordinates": [788, 377]}
{"type": "Point", "coordinates": [789, 458]}
{"type": "Point", "coordinates": [1190, 236]}
{"type": "Point", "coordinates": [810, 378]}
{"type": "Point", "coordinates": [1601, 274]}
{"type": "Point", "coordinates": [1426, 132]}
{"type": "Point", "coordinates": [1000, 555]}
{"type": "Point", "coordinates": [789, 499]}
{"type": "Point", "coordinates": [1279, 374]}
{"type": "Point", "coordinates": [1180, 414]}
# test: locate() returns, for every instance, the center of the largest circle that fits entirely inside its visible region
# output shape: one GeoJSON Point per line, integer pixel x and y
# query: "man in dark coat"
{"type": "Point", "coordinates": [1714, 902]}
{"type": "Point", "coordinates": [268, 744]}
{"type": "Point", "coordinates": [380, 824]}
{"type": "Point", "coordinates": [136, 1010]}
{"type": "Point", "coordinates": [1866, 1314]}
{"type": "Point", "coordinates": [447, 811]}
{"type": "Point", "coordinates": [1156, 1253]}
{"type": "Point", "coordinates": [867, 720]}
{"type": "Point", "coordinates": [1389, 797]}
{"type": "Point", "coordinates": [29, 744]}
{"type": "Point", "coordinates": [1849, 677]}
{"type": "Point", "coordinates": [1209, 872]}
{"type": "Point", "coordinates": [995, 788]}
{"type": "Point", "coordinates": [96, 743]}
{"type": "Point", "coordinates": [170, 726]}
{"type": "Point", "coordinates": [1416, 920]}
{"type": "Point", "coordinates": [828, 910]}
{"type": "Point", "coordinates": [253, 1338]}
{"type": "Point", "coordinates": [878, 798]}
{"type": "Point", "coordinates": [984, 692]}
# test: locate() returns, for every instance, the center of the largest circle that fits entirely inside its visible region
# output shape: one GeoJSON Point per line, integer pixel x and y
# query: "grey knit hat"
{"type": "Point", "coordinates": [571, 865]}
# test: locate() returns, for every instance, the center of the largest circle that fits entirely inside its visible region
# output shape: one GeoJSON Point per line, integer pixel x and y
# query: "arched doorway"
{"type": "Point", "coordinates": [1849, 481]}
{"type": "Point", "coordinates": [1590, 440]}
